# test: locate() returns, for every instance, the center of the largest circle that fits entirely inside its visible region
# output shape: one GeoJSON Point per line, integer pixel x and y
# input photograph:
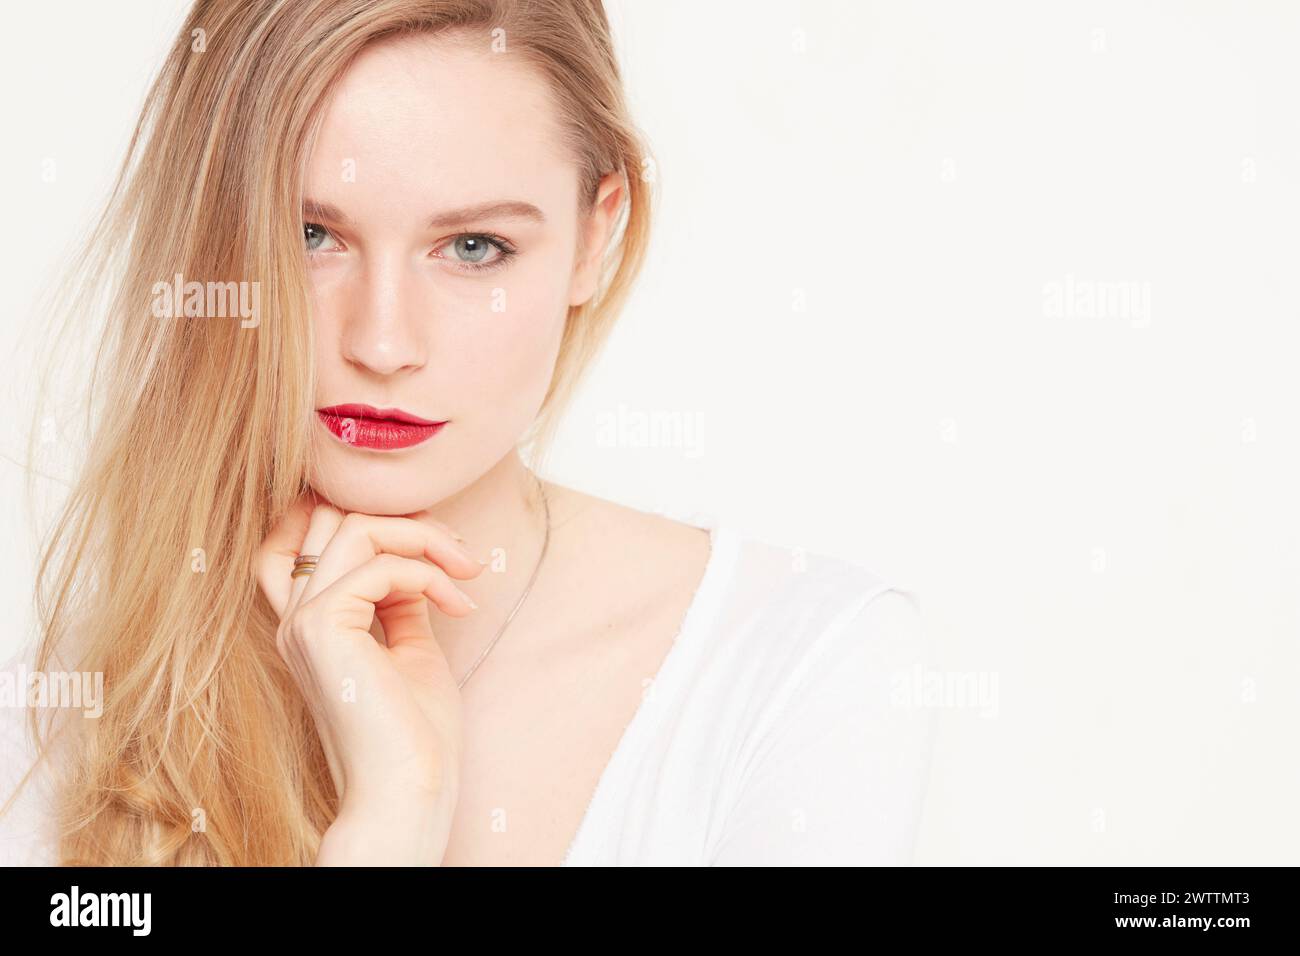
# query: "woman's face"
{"type": "Point", "coordinates": [442, 240]}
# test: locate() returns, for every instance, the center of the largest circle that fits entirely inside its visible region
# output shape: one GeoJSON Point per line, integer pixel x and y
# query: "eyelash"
{"type": "Point", "coordinates": [505, 249]}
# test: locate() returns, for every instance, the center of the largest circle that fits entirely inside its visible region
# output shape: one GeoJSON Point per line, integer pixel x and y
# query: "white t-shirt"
{"type": "Point", "coordinates": [780, 730]}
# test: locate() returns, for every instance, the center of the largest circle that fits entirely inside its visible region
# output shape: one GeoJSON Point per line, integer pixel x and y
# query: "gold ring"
{"type": "Point", "coordinates": [304, 564]}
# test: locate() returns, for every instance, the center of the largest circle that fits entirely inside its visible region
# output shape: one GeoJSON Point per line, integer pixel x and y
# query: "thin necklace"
{"type": "Point", "coordinates": [546, 539]}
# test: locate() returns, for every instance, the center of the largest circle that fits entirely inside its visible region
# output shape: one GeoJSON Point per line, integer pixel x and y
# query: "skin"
{"type": "Point", "coordinates": [401, 604]}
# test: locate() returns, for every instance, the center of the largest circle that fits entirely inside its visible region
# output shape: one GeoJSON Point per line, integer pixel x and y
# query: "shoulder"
{"type": "Point", "coordinates": [814, 601]}
{"type": "Point", "coordinates": [806, 639]}
{"type": "Point", "coordinates": [775, 614]}
{"type": "Point", "coordinates": [644, 557]}
{"type": "Point", "coordinates": [592, 515]}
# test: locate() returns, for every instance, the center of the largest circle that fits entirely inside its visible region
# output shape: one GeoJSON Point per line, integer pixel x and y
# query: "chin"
{"type": "Point", "coordinates": [381, 485]}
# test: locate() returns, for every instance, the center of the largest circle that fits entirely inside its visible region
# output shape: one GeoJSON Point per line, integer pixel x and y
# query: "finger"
{"type": "Point", "coordinates": [325, 522]}
{"type": "Point", "coordinates": [357, 592]}
{"type": "Point", "coordinates": [425, 518]}
{"type": "Point", "coordinates": [413, 538]}
{"type": "Point", "coordinates": [404, 618]}
{"type": "Point", "coordinates": [360, 537]}
{"type": "Point", "coordinates": [279, 548]}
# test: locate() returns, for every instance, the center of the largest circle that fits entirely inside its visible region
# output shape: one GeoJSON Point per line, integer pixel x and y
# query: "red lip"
{"type": "Point", "coordinates": [364, 426]}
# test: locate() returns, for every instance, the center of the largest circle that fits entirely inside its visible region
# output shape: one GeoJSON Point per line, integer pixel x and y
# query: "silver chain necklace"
{"type": "Point", "coordinates": [546, 539]}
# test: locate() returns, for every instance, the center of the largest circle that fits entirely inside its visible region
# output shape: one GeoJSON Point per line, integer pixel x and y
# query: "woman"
{"type": "Point", "coordinates": [430, 214]}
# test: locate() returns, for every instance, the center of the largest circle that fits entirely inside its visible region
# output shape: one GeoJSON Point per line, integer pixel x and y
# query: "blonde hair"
{"type": "Point", "coordinates": [205, 753]}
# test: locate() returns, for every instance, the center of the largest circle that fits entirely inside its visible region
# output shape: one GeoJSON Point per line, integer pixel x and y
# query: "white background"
{"type": "Point", "coordinates": [848, 318]}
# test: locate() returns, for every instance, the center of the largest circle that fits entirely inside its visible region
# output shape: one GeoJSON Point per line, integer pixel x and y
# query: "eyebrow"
{"type": "Point", "coordinates": [492, 209]}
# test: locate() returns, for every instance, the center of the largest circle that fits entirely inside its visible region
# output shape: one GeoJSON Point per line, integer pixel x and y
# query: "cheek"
{"type": "Point", "coordinates": [327, 304]}
{"type": "Point", "coordinates": [503, 351]}
{"type": "Point", "coordinates": [507, 351]}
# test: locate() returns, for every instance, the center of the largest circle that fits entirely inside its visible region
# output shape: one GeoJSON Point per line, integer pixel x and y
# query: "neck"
{"type": "Point", "coordinates": [500, 516]}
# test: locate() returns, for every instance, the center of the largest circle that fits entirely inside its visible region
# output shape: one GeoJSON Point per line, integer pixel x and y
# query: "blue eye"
{"type": "Point", "coordinates": [471, 251]}
{"type": "Point", "coordinates": [471, 248]}
{"type": "Point", "coordinates": [314, 235]}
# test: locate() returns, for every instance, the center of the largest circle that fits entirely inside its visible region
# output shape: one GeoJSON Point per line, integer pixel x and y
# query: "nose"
{"type": "Point", "coordinates": [383, 331]}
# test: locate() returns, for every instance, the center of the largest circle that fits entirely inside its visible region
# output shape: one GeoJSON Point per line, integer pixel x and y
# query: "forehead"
{"type": "Point", "coordinates": [434, 118]}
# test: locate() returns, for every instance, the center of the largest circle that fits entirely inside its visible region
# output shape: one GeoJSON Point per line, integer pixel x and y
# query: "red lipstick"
{"type": "Point", "coordinates": [364, 426]}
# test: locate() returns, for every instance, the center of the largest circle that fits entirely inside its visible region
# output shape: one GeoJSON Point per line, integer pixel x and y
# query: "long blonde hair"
{"type": "Point", "coordinates": [205, 753]}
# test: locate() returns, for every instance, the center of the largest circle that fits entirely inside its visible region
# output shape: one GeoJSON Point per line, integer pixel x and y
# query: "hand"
{"type": "Point", "coordinates": [387, 710]}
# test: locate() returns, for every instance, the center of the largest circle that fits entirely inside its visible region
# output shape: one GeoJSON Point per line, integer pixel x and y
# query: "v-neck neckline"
{"type": "Point", "coordinates": [699, 614]}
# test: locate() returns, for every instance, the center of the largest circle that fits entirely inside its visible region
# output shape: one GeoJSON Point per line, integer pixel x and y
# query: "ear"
{"type": "Point", "coordinates": [594, 235]}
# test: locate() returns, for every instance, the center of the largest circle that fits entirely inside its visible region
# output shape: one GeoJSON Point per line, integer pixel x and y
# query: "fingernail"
{"type": "Point", "coordinates": [468, 599]}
